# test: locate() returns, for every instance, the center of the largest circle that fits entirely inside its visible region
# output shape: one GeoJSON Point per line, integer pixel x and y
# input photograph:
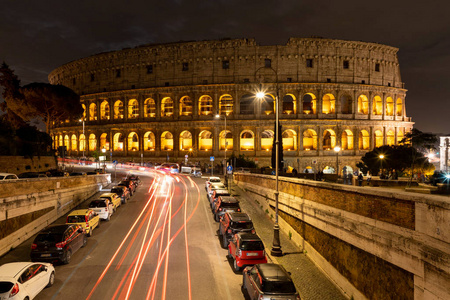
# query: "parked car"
{"type": "Point", "coordinates": [58, 243]}
{"type": "Point", "coordinates": [31, 175]}
{"type": "Point", "coordinates": [211, 180]}
{"type": "Point", "coordinates": [128, 184]}
{"type": "Point", "coordinates": [246, 249]}
{"type": "Point", "coordinates": [215, 196]}
{"type": "Point", "coordinates": [103, 208]}
{"type": "Point", "coordinates": [225, 204]}
{"type": "Point", "coordinates": [170, 167]}
{"type": "Point", "coordinates": [24, 280]}
{"type": "Point", "coordinates": [214, 186]}
{"type": "Point", "coordinates": [86, 218]}
{"type": "Point", "coordinates": [232, 223]}
{"type": "Point", "coordinates": [196, 172]}
{"type": "Point", "coordinates": [77, 174]}
{"type": "Point", "coordinates": [114, 198]}
{"type": "Point", "coordinates": [8, 176]}
{"type": "Point", "coordinates": [136, 180]}
{"type": "Point", "coordinates": [122, 192]}
{"type": "Point", "coordinates": [268, 281]}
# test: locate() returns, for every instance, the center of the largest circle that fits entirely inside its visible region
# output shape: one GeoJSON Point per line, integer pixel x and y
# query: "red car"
{"type": "Point", "coordinates": [246, 249]}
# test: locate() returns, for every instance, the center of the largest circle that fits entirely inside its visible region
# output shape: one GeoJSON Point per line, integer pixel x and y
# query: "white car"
{"type": "Point", "coordinates": [24, 280]}
{"type": "Point", "coordinates": [102, 207]}
{"type": "Point", "coordinates": [213, 187]}
{"type": "Point", "coordinates": [210, 181]}
{"type": "Point", "coordinates": [8, 176]}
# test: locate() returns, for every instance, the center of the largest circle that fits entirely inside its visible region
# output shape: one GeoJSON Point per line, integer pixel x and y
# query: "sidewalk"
{"type": "Point", "coordinates": [309, 279]}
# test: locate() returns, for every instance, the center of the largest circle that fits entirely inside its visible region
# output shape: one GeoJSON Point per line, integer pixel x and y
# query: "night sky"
{"type": "Point", "coordinates": [39, 36]}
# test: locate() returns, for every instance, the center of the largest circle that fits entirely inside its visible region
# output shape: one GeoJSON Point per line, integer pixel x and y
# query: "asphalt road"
{"type": "Point", "coordinates": [162, 244]}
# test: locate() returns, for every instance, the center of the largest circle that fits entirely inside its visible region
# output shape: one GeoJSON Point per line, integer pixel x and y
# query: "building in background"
{"type": "Point", "coordinates": [159, 101]}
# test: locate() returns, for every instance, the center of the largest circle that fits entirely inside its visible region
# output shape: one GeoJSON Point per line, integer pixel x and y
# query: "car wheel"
{"type": "Point", "coordinates": [224, 241]}
{"type": "Point", "coordinates": [90, 232]}
{"type": "Point", "coordinates": [216, 217]}
{"type": "Point", "coordinates": [51, 280]}
{"type": "Point", "coordinates": [236, 267]}
{"type": "Point", "coordinates": [26, 298]}
{"type": "Point", "coordinates": [108, 217]}
{"type": "Point", "coordinates": [67, 257]}
{"type": "Point", "coordinates": [229, 252]}
{"type": "Point", "coordinates": [98, 224]}
{"type": "Point", "coordinates": [84, 241]}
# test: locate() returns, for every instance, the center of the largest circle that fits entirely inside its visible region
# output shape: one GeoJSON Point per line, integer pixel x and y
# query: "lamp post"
{"type": "Point", "coordinates": [84, 142]}
{"type": "Point", "coordinates": [226, 144]}
{"type": "Point", "coordinates": [104, 160]}
{"type": "Point", "coordinates": [276, 245]}
{"type": "Point", "coordinates": [337, 149]}
{"type": "Point", "coordinates": [381, 156]}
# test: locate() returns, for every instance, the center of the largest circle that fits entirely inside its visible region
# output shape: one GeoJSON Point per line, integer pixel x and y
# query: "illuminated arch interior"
{"type": "Point", "coordinates": [118, 142]}
{"type": "Point", "coordinates": [329, 139]}
{"type": "Point", "coordinates": [73, 143]}
{"type": "Point", "coordinates": [104, 110]}
{"type": "Point", "coordinates": [92, 142]}
{"type": "Point", "coordinates": [364, 140]}
{"type": "Point", "coordinates": [377, 105]}
{"type": "Point", "coordinates": [133, 109]}
{"type": "Point", "coordinates": [133, 141]}
{"type": "Point", "coordinates": [289, 140]}
{"type": "Point", "coordinates": [268, 104]}
{"type": "Point", "coordinates": [82, 141]}
{"type": "Point", "coordinates": [267, 140]}
{"type": "Point", "coordinates": [92, 112]}
{"type": "Point", "coordinates": [104, 143]}
{"type": "Point", "coordinates": [400, 135]}
{"type": "Point", "coordinates": [347, 140]}
{"type": "Point", "coordinates": [309, 140]}
{"type": "Point", "coordinates": [149, 108]}
{"type": "Point", "coordinates": [167, 107]}
{"type": "Point", "coordinates": [225, 143]}
{"type": "Point", "coordinates": [149, 141]}
{"type": "Point", "coordinates": [399, 107]}
{"type": "Point", "coordinates": [185, 140]}
{"type": "Point", "coordinates": [186, 106]}
{"type": "Point", "coordinates": [378, 138]}
{"type": "Point", "coordinates": [205, 105]}
{"type": "Point", "coordinates": [226, 105]}
{"type": "Point", "coordinates": [328, 104]}
{"type": "Point", "coordinates": [363, 105]}
{"type": "Point", "coordinates": [389, 106]}
{"type": "Point", "coordinates": [205, 140]}
{"type": "Point", "coordinates": [167, 141]}
{"type": "Point", "coordinates": [118, 110]}
{"type": "Point", "coordinates": [67, 142]}
{"type": "Point", "coordinates": [309, 103]}
{"type": "Point", "coordinates": [247, 140]}
{"type": "Point", "coordinates": [390, 138]}
{"type": "Point", "coordinates": [289, 104]}
{"type": "Point", "coordinates": [84, 111]}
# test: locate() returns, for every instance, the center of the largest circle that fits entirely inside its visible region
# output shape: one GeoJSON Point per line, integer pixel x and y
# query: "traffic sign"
{"type": "Point", "coordinates": [230, 169]}
{"type": "Point", "coordinates": [211, 158]}
{"type": "Point", "coordinates": [115, 162]}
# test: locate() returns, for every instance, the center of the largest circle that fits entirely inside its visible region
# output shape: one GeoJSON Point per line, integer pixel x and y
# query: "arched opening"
{"type": "Point", "coordinates": [92, 112]}
{"type": "Point", "coordinates": [82, 140]}
{"type": "Point", "coordinates": [347, 140]}
{"type": "Point", "coordinates": [118, 142]}
{"type": "Point", "coordinates": [364, 140]}
{"type": "Point", "coordinates": [247, 140]}
{"type": "Point", "coordinates": [205, 140]}
{"type": "Point", "coordinates": [268, 104]}
{"type": "Point", "coordinates": [377, 105]}
{"type": "Point", "coordinates": [399, 107]}
{"type": "Point", "coordinates": [309, 103]}
{"type": "Point", "coordinates": [74, 143]}
{"type": "Point", "coordinates": [84, 112]}
{"type": "Point", "coordinates": [186, 106]}
{"type": "Point", "coordinates": [133, 109]}
{"type": "Point", "coordinates": [328, 104]}
{"type": "Point", "coordinates": [185, 140]}
{"type": "Point", "coordinates": [389, 106]}
{"type": "Point", "coordinates": [55, 142]}
{"type": "Point", "coordinates": [166, 107]}
{"type": "Point", "coordinates": [346, 104]}
{"type": "Point", "coordinates": [67, 142]}
{"type": "Point", "coordinates": [267, 140]}
{"type": "Point", "coordinates": [92, 142]}
{"type": "Point", "coordinates": [400, 135]}
{"type": "Point", "coordinates": [104, 110]}
{"type": "Point", "coordinates": [61, 140]}
{"type": "Point", "coordinates": [149, 141]}
{"type": "Point", "coordinates": [289, 137]}
{"type": "Point", "coordinates": [390, 138]}
{"type": "Point", "coordinates": [309, 140]}
{"type": "Point", "coordinates": [133, 142]}
{"type": "Point", "coordinates": [378, 138]}
{"type": "Point", "coordinates": [104, 144]}
{"type": "Point", "coordinates": [226, 140]}
{"type": "Point", "coordinates": [329, 140]}
{"type": "Point", "coordinates": [149, 108]}
{"type": "Point", "coordinates": [118, 110]}
{"type": "Point", "coordinates": [363, 105]}
{"type": "Point", "coordinates": [247, 105]}
{"type": "Point", "coordinates": [289, 104]}
{"type": "Point", "coordinates": [225, 105]}
{"type": "Point", "coordinates": [205, 105]}
{"type": "Point", "coordinates": [167, 141]}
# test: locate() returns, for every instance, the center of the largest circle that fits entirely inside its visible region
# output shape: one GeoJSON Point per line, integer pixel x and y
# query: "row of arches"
{"type": "Point", "coordinates": [248, 105]}
{"type": "Point", "coordinates": [246, 140]}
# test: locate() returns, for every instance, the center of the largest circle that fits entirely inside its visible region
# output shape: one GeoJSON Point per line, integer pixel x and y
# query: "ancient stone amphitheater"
{"type": "Point", "coordinates": [161, 101]}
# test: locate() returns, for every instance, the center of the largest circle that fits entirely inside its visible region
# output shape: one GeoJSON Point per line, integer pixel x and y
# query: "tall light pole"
{"type": "Point", "coordinates": [276, 245]}
{"type": "Point", "coordinates": [337, 149]}
{"type": "Point", "coordinates": [104, 160]}
{"type": "Point", "coordinates": [84, 143]}
{"type": "Point", "coordinates": [226, 144]}
{"type": "Point", "coordinates": [381, 156]}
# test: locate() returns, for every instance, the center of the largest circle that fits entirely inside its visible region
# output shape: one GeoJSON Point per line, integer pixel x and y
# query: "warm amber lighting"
{"type": "Point", "coordinates": [337, 149]}
{"type": "Point", "coordinates": [190, 149]}
{"type": "Point", "coordinates": [260, 95]}
{"type": "Point", "coordinates": [381, 156]}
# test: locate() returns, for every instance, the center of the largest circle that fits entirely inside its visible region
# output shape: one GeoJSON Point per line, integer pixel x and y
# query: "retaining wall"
{"type": "Point", "coordinates": [374, 243]}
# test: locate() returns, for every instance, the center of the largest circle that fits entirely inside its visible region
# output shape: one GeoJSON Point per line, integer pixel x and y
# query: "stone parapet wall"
{"type": "Point", "coordinates": [20, 164]}
{"type": "Point", "coordinates": [384, 244]}
{"type": "Point", "coordinates": [22, 216]}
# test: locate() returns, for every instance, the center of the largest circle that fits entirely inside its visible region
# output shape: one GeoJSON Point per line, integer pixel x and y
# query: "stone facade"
{"type": "Point", "coordinates": [444, 150]}
{"type": "Point", "coordinates": [155, 101]}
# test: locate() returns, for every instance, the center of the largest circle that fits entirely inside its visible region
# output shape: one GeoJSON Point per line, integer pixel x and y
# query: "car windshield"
{"type": "Point", "coordinates": [76, 219]}
{"type": "Point", "coordinates": [242, 225]}
{"type": "Point", "coordinates": [97, 203]}
{"type": "Point", "coordinates": [5, 286]}
{"type": "Point", "coordinates": [214, 180]}
{"type": "Point", "coordinates": [48, 237]}
{"type": "Point", "coordinates": [230, 205]}
{"type": "Point", "coordinates": [252, 245]}
{"type": "Point", "coordinates": [282, 287]}
{"type": "Point", "coordinates": [1, 177]}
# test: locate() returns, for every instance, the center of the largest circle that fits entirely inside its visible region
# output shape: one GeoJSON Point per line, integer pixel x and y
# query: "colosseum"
{"type": "Point", "coordinates": [197, 100]}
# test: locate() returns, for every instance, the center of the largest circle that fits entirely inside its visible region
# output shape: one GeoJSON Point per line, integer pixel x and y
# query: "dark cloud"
{"type": "Point", "coordinates": [38, 36]}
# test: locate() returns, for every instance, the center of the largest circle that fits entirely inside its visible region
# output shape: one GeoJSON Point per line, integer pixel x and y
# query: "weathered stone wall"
{"type": "Point", "coordinates": [19, 164]}
{"type": "Point", "coordinates": [23, 215]}
{"type": "Point", "coordinates": [374, 243]}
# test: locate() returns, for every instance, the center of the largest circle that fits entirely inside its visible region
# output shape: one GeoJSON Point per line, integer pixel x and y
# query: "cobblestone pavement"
{"type": "Point", "coordinates": [310, 281]}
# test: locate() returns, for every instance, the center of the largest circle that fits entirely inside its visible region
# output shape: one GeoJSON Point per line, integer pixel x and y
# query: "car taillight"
{"type": "Point", "coordinates": [298, 297]}
{"type": "Point", "coordinates": [229, 230]}
{"type": "Point", "coordinates": [238, 209]}
{"type": "Point", "coordinates": [106, 209]}
{"type": "Point", "coordinates": [220, 209]}
{"type": "Point", "coordinates": [239, 253]}
{"type": "Point", "coordinates": [60, 245]}
{"type": "Point", "coordinates": [14, 290]}
{"type": "Point", "coordinates": [33, 246]}
{"type": "Point", "coordinates": [253, 231]}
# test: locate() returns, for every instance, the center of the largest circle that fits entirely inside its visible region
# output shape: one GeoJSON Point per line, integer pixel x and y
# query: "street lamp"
{"type": "Point", "coordinates": [84, 142]}
{"type": "Point", "coordinates": [104, 160]}
{"type": "Point", "coordinates": [276, 245]}
{"type": "Point", "coordinates": [381, 156]}
{"type": "Point", "coordinates": [337, 149]}
{"type": "Point", "coordinates": [226, 144]}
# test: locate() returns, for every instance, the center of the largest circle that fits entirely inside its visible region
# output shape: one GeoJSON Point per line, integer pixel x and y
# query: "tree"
{"type": "Point", "coordinates": [51, 103]}
{"type": "Point", "coordinates": [280, 148]}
